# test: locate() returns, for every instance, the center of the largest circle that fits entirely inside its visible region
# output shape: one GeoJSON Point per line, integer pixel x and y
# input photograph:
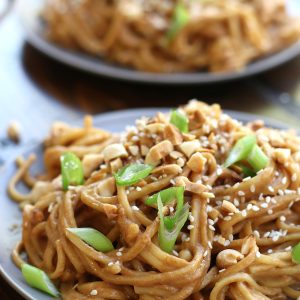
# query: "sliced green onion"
{"type": "Point", "coordinates": [167, 195]}
{"type": "Point", "coordinates": [94, 238]}
{"type": "Point", "coordinates": [240, 150]}
{"type": "Point", "coordinates": [180, 121]}
{"type": "Point", "coordinates": [179, 20]}
{"type": "Point", "coordinates": [167, 237]}
{"type": "Point", "coordinates": [38, 279]}
{"type": "Point", "coordinates": [71, 170]}
{"type": "Point", "coordinates": [131, 174]}
{"type": "Point", "coordinates": [296, 253]}
{"type": "Point", "coordinates": [246, 170]}
{"type": "Point", "coordinates": [257, 159]}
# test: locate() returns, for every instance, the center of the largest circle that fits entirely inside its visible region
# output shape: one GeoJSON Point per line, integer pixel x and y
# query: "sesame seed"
{"type": "Point", "coordinates": [288, 248]}
{"type": "Point", "coordinates": [205, 253]}
{"type": "Point", "coordinates": [110, 263]}
{"type": "Point", "coordinates": [282, 218]}
{"type": "Point", "coordinates": [93, 293]}
{"type": "Point", "coordinates": [252, 188]}
{"type": "Point", "coordinates": [271, 189]}
{"type": "Point", "coordinates": [209, 187]}
{"type": "Point", "coordinates": [257, 254]}
{"type": "Point", "coordinates": [127, 192]}
{"type": "Point", "coordinates": [249, 206]}
{"type": "Point", "coordinates": [270, 251]}
{"type": "Point", "coordinates": [191, 218]}
{"type": "Point", "coordinates": [187, 239]}
{"type": "Point", "coordinates": [134, 207]}
{"type": "Point", "coordinates": [171, 209]}
{"type": "Point", "coordinates": [284, 180]}
{"type": "Point", "coordinates": [261, 197]}
{"type": "Point", "coordinates": [209, 208]}
{"type": "Point", "coordinates": [227, 218]}
{"type": "Point", "coordinates": [294, 177]}
{"type": "Point", "coordinates": [264, 205]}
{"type": "Point", "coordinates": [153, 178]}
{"type": "Point", "coordinates": [236, 202]}
{"type": "Point", "coordinates": [119, 253]}
{"type": "Point", "coordinates": [212, 228]}
{"type": "Point", "coordinates": [244, 213]}
{"type": "Point", "coordinates": [211, 222]}
{"type": "Point", "coordinates": [255, 208]}
{"type": "Point", "coordinates": [190, 227]}
{"type": "Point", "coordinates": [222, 270]}
{"type": "Point", "coordinates": [268, 199]}
{"type": "Point", "coordinates": [219, 171]}
{"type": "Point", "coordinates": [273, 201]}
{"type": "Point", "coordinates": [175, 252]}
{"type": "Point", "coordinates": [138, 188]}
{"type": "Point", "coordinates": [256, 233]}
{"type": "Point", "coordinates": [227, 243]}
{"type": "Point", "coordinates": [230, 237]}
{"type": "Point", "coordinates": [241, 193]}
{"type": "Point", "coordinates": [280, 192]}
{"type": "Point", "coordinates": [267, 234]}
{"type": "Point", "coordinates": [270, 211]}
{"type": "Point", "coordinates": [209, 244]}
{"type": "Point", "coordinates": [172, 181]}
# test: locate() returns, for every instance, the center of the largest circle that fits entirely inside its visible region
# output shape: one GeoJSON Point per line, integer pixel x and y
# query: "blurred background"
{"type": "Point", "coordinates": [35, 90]}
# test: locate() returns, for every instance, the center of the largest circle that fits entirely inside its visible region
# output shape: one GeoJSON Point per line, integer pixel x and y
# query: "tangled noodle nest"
{"type": "Point", "coordinates": [218, 35]}
{"type": "Point", "coordinates": [236, 243]}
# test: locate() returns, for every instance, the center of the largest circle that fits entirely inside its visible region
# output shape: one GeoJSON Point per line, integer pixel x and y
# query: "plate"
{"type": "Point", "coordinates": [10, 213]}
{"type": "Point", "coordinates": [29, 11]}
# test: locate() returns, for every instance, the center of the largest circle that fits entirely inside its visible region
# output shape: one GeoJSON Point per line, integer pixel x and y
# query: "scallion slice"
{"type": "Point", "coordinates": [94, 238]}
{"type": "Point", "coordinates": [296, 253]}
{"type": "Point", "coordinates": [132, 174]}
{"type": "Point", "coordinates": [71, 170]}
{"type": "Point", "coordinates": [167, 237]}
{"type": "Point", "coordinates": [167, 195]}
{"type": "Point", "coordinates": [180, 121]}
{"type": "Point", "coordinates": [38, 279]}
{"type": "Point", "coordinates": [257, 159]}
{"type": "Point", "coordinates": [179, 20]}
{"type": "Point", "coordinates": [240, 150]}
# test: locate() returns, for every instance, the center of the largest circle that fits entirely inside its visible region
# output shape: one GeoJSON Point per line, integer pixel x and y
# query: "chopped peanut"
{"type": "Point", "coordinates": [197, 162]}
{"type": "Point", "coordinates": [158, 152]}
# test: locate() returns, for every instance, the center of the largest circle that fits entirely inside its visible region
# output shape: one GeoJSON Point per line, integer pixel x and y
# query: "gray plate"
{"type": "Point", "coordinates": [29, 11]}
{"type": "Point", "coordinates": [10, 213]}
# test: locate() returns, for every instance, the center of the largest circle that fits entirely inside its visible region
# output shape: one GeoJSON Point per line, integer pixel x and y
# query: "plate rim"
{"type": "Point", "coordinates": [96, 65]}
{"type": "Point", "coordinates": [105, 117]}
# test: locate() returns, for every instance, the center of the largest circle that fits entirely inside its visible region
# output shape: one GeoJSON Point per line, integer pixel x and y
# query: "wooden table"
{"type": "Point", "coordinates": [36, 90]}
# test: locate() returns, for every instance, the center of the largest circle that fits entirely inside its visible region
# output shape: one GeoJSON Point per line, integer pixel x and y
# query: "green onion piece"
{"type": "Point", "coordinates": [240, 150]}
{"type": "Point", "coordinates": [246, 170]}
{"type": "Point", "coordinates": [180, 121]}
{"type": "Point", "coordinates": [179, 20]}
{"type": "Point", "coordinates": [167, 195]}
{"type": "Point", "coordinates": [94, 238]}
{"type": "Point", "coordinates": [296, 253]}
{"type": "Point", "coordinates": [71, 170]}
{"type": "Point", "coordinates": [131, 174]}
{"type": "Point", "coordinates": [257, 159]}
{"type": "Point", "coordinates": [167, 237]}
{"type": "Point", "coordinates": [39, 279]}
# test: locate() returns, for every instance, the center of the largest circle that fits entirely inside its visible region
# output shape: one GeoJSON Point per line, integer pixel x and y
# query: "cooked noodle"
{"type": "Point", "coordinates": [218, 36]}
{"type": "Point", "coordinates": [235, 245]}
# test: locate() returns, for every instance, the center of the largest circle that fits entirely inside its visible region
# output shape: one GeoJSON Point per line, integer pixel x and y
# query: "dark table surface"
{"type": "Point", "coordinates": [35, 90]}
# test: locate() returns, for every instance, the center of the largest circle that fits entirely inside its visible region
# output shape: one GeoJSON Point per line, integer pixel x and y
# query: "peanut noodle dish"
{"type": "Point", "coordinates": [190, 204]}
{"type": "Point", "coordinates": [168, 36]}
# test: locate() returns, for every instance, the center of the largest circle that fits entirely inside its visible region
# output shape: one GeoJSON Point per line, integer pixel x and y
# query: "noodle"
{"type": "Point", "coordinates": [218, 36]}
{"type": "Point", "coordinates": [240, 231]}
